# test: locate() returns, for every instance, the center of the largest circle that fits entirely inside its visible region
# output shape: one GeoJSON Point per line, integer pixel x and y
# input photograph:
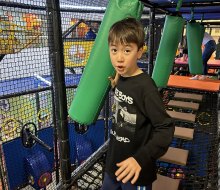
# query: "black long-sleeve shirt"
{"type": "Point", "coordinates": [141, 128]}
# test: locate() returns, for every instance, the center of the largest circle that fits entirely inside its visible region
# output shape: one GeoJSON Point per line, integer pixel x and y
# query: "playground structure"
{"type": "Point", "coordinates": [37, 87]}
{"type": "Point", "coordinates": [14, 38]}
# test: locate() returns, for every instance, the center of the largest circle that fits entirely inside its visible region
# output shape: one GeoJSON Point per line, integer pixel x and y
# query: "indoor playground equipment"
{"type": "Point", "coordinates": [14, 38]}
{"type": "Point", "coordinates": [84, 109]}
{"type": "Point", "coordinates": [33, 155]}
{"type": "Point", "coordinates": [29, 125]}
{"type": "Point", "coordinates": [170, 38]}
{"type": "Point", "coordinates": [32, 159]}
{"type": "Point", "coordinates": [38, 169]}
{"type": "Point", "coordinates": [9, 128]}
{"type": "Point", "coordinates": [23, 113]}
{"type": "Point", "coordinates": [36, 164]}
{"type": "Point", "coordinates": [78, 42]}
{"type": "Point", "coordinates": [29, 137]}
{"type": "Point", "coordinates": [23, 109]}
{"type": "Point", "coordinates": [78, 46]}
{"type": "Point", "coordinates": [76, 53]}
{"type": "Point", "coordinates": [195, 33]}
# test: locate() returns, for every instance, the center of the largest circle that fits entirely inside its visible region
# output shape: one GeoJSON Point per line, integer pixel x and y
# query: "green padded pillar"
{"type": "Point", "coordinates": [94, 84]}
{"type": "Point", "coordinates": [171, 36]}
{"type": "Point", "coordinates": [195, 33]}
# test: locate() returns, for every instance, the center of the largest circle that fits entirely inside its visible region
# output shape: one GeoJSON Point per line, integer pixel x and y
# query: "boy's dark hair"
{"type": "Point", "coordinates": [125, 31]}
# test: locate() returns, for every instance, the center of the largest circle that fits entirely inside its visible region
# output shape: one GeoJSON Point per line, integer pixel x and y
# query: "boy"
{"type": "Point", "coordinates": [141, 129]}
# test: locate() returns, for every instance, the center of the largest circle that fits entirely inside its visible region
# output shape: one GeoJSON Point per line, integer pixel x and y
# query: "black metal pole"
{"type": "Point", "coordinates": [1, 57]}
{"type": "Point", "coordinates": [58, 85]}
{"type": "Point", "coordinates": [69, 30]}
{"type": "Point", "coordinates": [151, 41]}
{"type": "Point", "coordinates": [54, 123]}
{"type": "Point", "coordinates": [40, 142]}
{"type": "Point", "coordinates": [37, 97]}
{"type": "Point", "coordinates": [2, 169]}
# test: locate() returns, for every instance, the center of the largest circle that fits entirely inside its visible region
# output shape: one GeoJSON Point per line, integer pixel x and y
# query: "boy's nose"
{"type": "Point", "coordinates": [120, 57]}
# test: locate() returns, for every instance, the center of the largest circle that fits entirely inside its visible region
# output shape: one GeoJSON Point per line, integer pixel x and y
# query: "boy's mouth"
{"type": "Point", "coordinates": [120, 68]}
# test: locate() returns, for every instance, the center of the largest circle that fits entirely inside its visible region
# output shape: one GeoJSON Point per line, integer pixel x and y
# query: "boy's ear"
{"type": "Point", "coordinates": [140, 52]}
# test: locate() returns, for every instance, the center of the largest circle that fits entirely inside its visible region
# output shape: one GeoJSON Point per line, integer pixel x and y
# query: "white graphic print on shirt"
{"type": "Point", "coordinates": [124, 122]}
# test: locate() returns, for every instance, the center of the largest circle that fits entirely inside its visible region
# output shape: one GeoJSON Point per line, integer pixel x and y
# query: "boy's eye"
{"type": "Point", "coordinates": [113, 50]}
{"type": "Point", "coordinates": [127, 51]}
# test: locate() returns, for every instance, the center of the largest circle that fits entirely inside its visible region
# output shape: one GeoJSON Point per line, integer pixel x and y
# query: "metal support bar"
{"type": "Point", "coordinates": [58, 84]}
{"type": "Point", "coordinates": [151, 41]}
{"type": "Point", "coordinates": [154, 5]}
{"type": "Point", "coordinates": [70, 29]}
{"type": "Point", "coordinates": [1, 57]}
{"type": "Point", "coordinates": [42, 143]}
{"type": "Point", "coordinates": [80, 170]}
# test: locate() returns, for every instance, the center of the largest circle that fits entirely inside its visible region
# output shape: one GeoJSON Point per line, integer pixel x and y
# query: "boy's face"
{"type": "Point", "coordinates": [124, 58]}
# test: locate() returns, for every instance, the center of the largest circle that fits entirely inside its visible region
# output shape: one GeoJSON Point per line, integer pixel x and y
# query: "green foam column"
{"type": "Point", "coordinates": [195, 33]}
{"type": "Point", "coordinates": [94, 84]}
{"type": "Point", "coordinates": [170, 38]}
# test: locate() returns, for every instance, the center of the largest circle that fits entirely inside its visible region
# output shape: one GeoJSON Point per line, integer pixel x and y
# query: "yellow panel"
{"type": "Point", "coordinates": [76, 54]}
{"type": "Point", "coordinates": [14, 38]}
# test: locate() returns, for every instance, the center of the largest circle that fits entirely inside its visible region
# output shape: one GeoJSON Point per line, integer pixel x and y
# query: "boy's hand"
{"type": "Point", "coordinates": [128, 169]}
{"type": "Point", "coordinates": [113, 82]}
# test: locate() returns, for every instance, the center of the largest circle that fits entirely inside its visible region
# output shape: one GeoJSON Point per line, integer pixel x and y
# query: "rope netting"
{"type": "Point", "coordinates": [28, 104]}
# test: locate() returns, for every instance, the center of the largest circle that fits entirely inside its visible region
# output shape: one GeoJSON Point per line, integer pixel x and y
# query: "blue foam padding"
{"type": "Point", "coordinates": [19, 85]}
{"type": "Point", "coordinates": [32, 83]}
{"type": "Point", "coordinates": [95, 135]}
{"type": "Point", "coordinates": [15, 154]}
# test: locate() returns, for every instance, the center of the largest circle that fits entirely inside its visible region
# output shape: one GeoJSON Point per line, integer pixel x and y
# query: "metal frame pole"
{"type": "Point", "coordinates": [151, 41]}
{"type": "Point", "coordinates": [58, 86]}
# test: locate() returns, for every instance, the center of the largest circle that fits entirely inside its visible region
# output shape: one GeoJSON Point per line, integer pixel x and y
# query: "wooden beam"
{"type": "Point", "coordinates": [165, 183]}
{"type": "Point", "coordinates": [175, 156]}
{"type": "Point", "coordinates": [188, 117]}
{"type": "Point", "coordinates": [184, 133]}
{"type": "Point", "coordinates": [188, 96]}
{"type": "Point", "coordinates": [184, 105]}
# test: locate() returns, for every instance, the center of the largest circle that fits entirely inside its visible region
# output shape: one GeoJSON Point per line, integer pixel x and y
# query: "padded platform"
{"type": "Point", "coordinates": [212, 63]}
{"type": "Point", "coordinates": [184, 133]}
{"type": "Point", "coordinates": [188, 96]}
{"type": "Point", "coordinates": [184, 82]}
{"type": "Point", "coordinates": [188, 117]}
{"type": "Point", "coordinates": [175, 156]}
{"type": "Point", "coordinates": [165, 183]}
{"type": "Point", "coordinates": [184, 105]}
